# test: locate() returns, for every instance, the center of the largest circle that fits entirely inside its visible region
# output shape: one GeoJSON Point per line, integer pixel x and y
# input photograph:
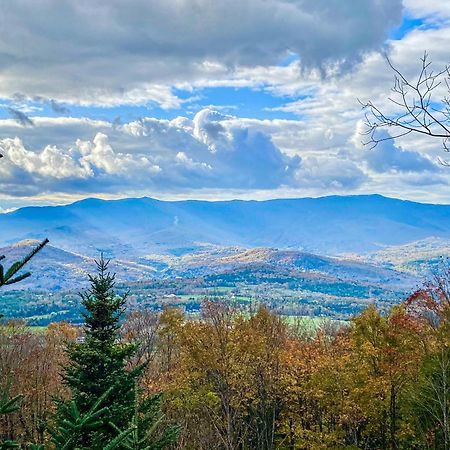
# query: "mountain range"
{"type": "Point", "coordinates": [138, 227]}
{"type": "Point", "coordinates": [328, 256]}
{"type": "Point", "coordinates": [57, 269]}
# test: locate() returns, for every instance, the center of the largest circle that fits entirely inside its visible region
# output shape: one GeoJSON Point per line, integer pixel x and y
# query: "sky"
{"type": "Point", "coordinates": [250, 99]}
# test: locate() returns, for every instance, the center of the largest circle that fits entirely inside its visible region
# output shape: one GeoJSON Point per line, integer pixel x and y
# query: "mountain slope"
{"type": "Point", "coordinates": [423, 258]}
{"type": "Point", "coordinates": [216, 260]}
{"type": "Point", "coordinates": [138, 227]}
{"type": "Point", "coordinates": [55, 269]}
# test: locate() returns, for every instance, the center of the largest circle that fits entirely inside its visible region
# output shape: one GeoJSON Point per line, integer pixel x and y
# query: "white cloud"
{"type": "Point", "coordinates": [99, 154]}
{"type": "Point", "coordinates": [330, 174]}
{"type": "Point", "coordinates": [51, 162]}
{"type": "Point", "coordinates": [388, 155]}
{"type": "Point", "coordinates": [212, 154]}
{"type": "Point", "coordinates": [433, 10]}
{"type": "Point", "coordinates": [211, 151]}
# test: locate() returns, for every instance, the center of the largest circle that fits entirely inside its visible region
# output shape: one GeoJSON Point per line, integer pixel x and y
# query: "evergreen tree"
{"type": "Point", "coordinates": [147, 432]}
{"type": "Point", "coordinates": [7, 406]}
{"type": "Point", "coordinates": [12, 275]}
{"type": "Point", "coordinates": [104, 395]}
{"type": "Point", "coordinates": [99, 364]}
{"type": "Point", "coordinates": [74, 425]}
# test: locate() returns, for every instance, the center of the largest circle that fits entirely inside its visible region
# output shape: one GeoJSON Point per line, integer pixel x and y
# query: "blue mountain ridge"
{"type": "Point", "coordinates": [139, 226]}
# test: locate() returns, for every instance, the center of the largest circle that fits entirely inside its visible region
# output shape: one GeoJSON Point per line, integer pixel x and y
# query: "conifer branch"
{"type": "Point", "coordinates": [11, 277]}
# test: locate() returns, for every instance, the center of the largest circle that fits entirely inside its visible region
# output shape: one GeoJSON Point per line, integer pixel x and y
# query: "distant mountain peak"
{"type": "Point", "coordinates": [27, 243]}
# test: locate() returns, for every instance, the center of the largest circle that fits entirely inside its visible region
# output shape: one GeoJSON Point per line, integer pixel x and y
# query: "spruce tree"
{"type": "Point", "coordinates": [99, 363]}
{"type": "Point", "coordinates": [74, 425]}
{"type": "Point", "coordinates": [7, 406]}
{"type": "Point", "coordinates": [11, 275]}
{"type": "Point", "coordinates": [147, 430]}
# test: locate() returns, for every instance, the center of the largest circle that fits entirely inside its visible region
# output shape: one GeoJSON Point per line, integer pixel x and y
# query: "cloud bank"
{"type": "Point", "coordinates": [132, 52]}
{"type": "Point", "coordinates": [212, 151]}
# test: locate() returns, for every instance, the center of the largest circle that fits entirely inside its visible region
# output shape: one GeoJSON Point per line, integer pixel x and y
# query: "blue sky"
{"type": "Point", "coordinates": [180, 100]}
{"type": "Point", "coordinates": [255, 102]}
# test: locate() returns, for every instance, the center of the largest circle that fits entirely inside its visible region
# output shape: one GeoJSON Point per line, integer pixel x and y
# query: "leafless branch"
{"type": "Point", "coordinates": [418, 111]}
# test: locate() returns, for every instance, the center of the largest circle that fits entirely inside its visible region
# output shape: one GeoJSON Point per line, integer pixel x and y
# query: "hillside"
{"type": "Point", "coordinates": [57, 269]}
{"type": "Point", "coordinates": [212, 260]}
{"type": "Point", "coordinates": [420, 258]}
{"type": "Point", "coordinates": [138, 227]}
{"type": "Point", "coordinates": [292, 282]}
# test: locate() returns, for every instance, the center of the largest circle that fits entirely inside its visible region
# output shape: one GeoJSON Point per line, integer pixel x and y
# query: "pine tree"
{"type": "Point", "coordinates": [147, 433]}
{"type": "Point", "coordinates": [7, 406]}
{"type": "Point", "coordinates": [11, 275]}
{"type": "Point", "coordinates": [99, 363]}
{"type": "Point", "coordinates": [72, 427]}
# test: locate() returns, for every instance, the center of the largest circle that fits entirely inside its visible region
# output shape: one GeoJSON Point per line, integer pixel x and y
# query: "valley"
{"type": "Point", "coordinates": [179, 253]}
{"type": "Point", "coordinates": [290, 282]}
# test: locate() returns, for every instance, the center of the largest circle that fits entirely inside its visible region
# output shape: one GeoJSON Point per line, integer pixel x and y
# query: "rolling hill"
{"type": "Point", "coordinates": [57, 269]}
{"type": "Point", "coordinates": [213, 260]}
{"type": "Point", "coordinates": [423, 258]}
{"type": "Point", "coordinates": [289, 281]}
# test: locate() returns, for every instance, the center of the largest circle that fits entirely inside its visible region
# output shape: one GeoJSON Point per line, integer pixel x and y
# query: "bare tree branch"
{"type": "Point", "coordinates": [418, 111]}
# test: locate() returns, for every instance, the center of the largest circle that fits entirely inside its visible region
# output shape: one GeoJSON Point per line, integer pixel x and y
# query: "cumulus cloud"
{"type": "Point", "coordinates": [330, 173]}
{"type": "Point", "coordinates": [99, 154]}
{"type": "Point", "coordinates": [318, 153]}
{"type": "Point", "coordinates": [133, 52]}
{"type": "Point", "coordinates": [388, 156]}
{"type": "Point", "coordinates": [51, 162]}
{"type": "Point", "coordinates": [210, 151]}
